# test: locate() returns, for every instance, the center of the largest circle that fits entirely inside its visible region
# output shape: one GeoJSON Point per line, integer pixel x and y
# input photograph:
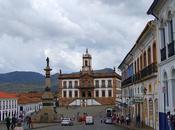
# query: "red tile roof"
{"type": "Point", "coordinates": [7, 95]}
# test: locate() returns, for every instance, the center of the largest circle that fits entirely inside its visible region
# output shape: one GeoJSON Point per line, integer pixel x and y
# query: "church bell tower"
{"type": "Point", "coordinates": [87, 62]}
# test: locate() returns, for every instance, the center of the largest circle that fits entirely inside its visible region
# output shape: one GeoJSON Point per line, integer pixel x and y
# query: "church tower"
{"type": "Point", "coordinates": [87, 64]}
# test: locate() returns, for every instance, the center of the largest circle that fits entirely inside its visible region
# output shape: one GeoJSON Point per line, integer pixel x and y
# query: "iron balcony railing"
{"type": "Point", "coordinates": [146, 72]}
{"type": "Point", "coordinates": [171, 49]}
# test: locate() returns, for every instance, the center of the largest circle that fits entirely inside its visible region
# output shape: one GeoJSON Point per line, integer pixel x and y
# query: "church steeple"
{"type": "Point", "coordinates": [87, 62]}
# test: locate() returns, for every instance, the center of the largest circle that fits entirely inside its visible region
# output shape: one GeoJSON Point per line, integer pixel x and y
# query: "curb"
{"type": "Point", "coordinates": [131, 128]}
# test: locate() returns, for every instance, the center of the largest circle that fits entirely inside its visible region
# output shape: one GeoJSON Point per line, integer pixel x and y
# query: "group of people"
{"type": "Point", "coordinates": [171, 121]}
{"type": "Point", "coordinates": [123, 119]}
{"type": "Point", "coordinates": [15, 123]}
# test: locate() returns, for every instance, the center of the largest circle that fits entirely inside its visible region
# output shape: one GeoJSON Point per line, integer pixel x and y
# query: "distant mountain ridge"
{"type": "Point", "coordinates": [25, 81]}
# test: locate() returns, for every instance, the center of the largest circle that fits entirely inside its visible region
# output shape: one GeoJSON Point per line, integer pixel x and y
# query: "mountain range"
{"type": "Point", "coordinates": [25, 81]}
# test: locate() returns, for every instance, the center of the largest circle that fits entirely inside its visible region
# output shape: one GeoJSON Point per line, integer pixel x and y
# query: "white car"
{"type": "Point", "coordinates": [66, 122]}
{"type": "Point", "coordinates": [89, 120]}
{"type": "Point", "coordinates": [108, 120]}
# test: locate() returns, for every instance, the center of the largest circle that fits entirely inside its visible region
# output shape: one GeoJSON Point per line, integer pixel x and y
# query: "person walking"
{"type": "Point", "coordinates": [19, 126]}
{"type": "Point", "coordinates": [29, 121]}
{"type": "Point", "coordinates": [138, 121]}
{"type": "Point", "coordinates": [14, 121]}
{"type": "Point", "coordinates": [8, 123]}
{"type": "Point", "coordinates": [127, 120]}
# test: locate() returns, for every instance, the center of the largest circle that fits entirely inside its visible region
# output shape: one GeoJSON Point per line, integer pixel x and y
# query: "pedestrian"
{"type": "Point", "coordinates": [127, 120]}
{"type": "Point", "coordinates": [138, 121]}
{"type": "Point", "coordinates": [19, 126]}
{"type": "Point", "coordinates": [29, 122]}
{"type": "Point", "coordinates": [173, 122]}
{"type": "Point", "coordinates": [101, 120]}
{"type": "Point", "coordinates": [14, 121]}
{"type": "Point", "coordinates": [8, 123]}
{"type": "Point", "coordinates": [169, 119]}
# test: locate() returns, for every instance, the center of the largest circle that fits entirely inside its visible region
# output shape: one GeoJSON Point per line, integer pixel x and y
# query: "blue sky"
{"type": "Point", "coordinates": [31, 30]}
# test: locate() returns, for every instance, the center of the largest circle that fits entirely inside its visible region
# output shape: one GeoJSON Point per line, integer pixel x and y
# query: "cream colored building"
{"type": "Point", "coordinates": [139, 78]}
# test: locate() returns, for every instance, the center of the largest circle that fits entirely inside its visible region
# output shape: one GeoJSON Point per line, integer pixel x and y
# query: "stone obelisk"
{"type": "Point", "coordinates": [47, 113]}
{"type": "Point", "coordinates": [47, 97]}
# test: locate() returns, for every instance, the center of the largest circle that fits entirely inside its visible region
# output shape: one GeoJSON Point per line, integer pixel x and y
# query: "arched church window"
{"type": "Point", "coordinates": [86, 63]}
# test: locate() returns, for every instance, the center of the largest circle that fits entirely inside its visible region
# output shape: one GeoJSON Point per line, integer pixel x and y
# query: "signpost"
{"type": "Point", "coordinates": [138, 100]}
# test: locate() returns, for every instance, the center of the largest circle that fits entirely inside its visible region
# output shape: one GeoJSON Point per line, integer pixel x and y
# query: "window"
{"type": "Point", "coordinates": [76, 84]}
{"type": "Point", "coordinates": [97, 93]}
{"type": "Point", "coordinates": [103, 93]}
{"type": "Point", "coordinates": [64, 84]}
{"type": "Point", "coordinates": [162, 31]}
{"type": "Point", "coordinates": [70, 94]}
{"type": "Point", "coordinates": [138, 65]}
{"type": "Point", "coordinates": [150, 88]}
{"type": "Point", "coordinates": [86, 63]}
{"type": "Point", "coordinates": [103, 83]}
{"type": "Point", "coordinates": [154, 53]}
{"type": "Point", "coordinates": [89, 83]}
{"type": "Point", "coordinates": [64, 93]}
{"type": "Point", "coordinates": [170, 31]}
{"type": "Point", "coordinates": [135, 67]}
{"type": "Point", "coordinates": [89, 94]}
{"type": "Point", "coordinates": [109, 83]}
{"type": "Point", "coordinates": [144, 55]}
{"type": "Point", "coordinates": [141, 66]}
{"type": "Point", "coordinates": [76, 93]}
{"type": "Point", "coordinates": [83, 94]}
{"type": "Point", "coordinates": [109, 93]}
{"type": "Point", "coordinates": [97, 83]}
{"type": "Point", "coordinates": [70, 84]}
{"type": "Point", "coordinates": [149, 56]}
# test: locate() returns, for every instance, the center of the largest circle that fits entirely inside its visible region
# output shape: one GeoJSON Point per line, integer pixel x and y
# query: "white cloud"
{"type": "Point", "coordinates": [31, 30]}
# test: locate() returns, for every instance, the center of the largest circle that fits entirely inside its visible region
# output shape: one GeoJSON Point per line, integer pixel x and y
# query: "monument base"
{"type": "Point", "coordinates": [47, 114]}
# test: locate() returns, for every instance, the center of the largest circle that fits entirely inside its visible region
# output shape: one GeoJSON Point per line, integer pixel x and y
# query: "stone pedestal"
{"type": "Point", "coordinates": [47, 113]}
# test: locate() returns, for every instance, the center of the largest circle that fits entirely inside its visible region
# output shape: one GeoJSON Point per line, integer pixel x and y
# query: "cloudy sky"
{"type": "Point", "coordinates": [31, 30]}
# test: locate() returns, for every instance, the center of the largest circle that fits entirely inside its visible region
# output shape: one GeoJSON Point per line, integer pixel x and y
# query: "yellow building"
{"type": "Point", "coordinates": [139, 78]}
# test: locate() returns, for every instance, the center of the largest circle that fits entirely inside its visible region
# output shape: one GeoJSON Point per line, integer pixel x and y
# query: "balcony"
{"type": "Point", "coordinates": [171, 49]}
{"type": "Point", "coordinates": [149, 70]}
{"type": "Point", "coordinates": [163, 54]}
{"type": "Point", "coordinates": [137, 77]}
{"type": "Point", "coordinates": [127, 81]}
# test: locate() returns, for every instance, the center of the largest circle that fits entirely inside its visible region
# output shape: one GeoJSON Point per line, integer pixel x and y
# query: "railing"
{"type": "Point", "coordinates": [171, 49]}
{"type": "Point", "coordinates": [163, 54]}
{"type": "Point", "coordinates": [146, 72]}
{"type": "Point", "coordinates": [127, 81]}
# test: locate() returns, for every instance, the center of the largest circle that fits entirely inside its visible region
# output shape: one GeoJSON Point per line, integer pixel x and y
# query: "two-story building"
{"type": "Point", "coordinates": [88, 87]}
{"type": "Point", "coordinates": [139, 78]}
{"type": "Point", "coordinates": [8, 105]}
{"type": "Point", "coordinates": [164, 12]}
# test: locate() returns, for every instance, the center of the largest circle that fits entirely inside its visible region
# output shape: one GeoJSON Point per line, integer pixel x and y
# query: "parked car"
{"type": "Point", "coordinates": [66, 122]}
{"type": "Point", "coordinates": [89, 120]}
{"type": "Point", "coordinates": [108, 120]}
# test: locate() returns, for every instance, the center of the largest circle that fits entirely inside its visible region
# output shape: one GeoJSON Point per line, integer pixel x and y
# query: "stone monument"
{"type": "Point", "coordinates": [47, 113]}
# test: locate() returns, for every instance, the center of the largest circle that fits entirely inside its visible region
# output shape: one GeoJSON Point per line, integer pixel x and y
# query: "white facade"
{"type": "Point", "coordinates": [72, 87]}
{"type": "Point", "coordinates": [8, 107]}
{"type": "Point", "coordinates": [29, 108]}
{"type": "Point", "coordinates": [164, 12]}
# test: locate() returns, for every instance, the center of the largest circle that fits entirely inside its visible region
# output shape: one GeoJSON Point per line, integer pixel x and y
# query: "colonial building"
{"type": "Point", "coordinates": [8, 105]}
{"type": "Point", "coordinates": [139, 78]}
{"type": "Point", "coordinates": [88, 87]}
{"type": "Point", "coordinates": [29, 103]}
{"type": "Point", "coordinates": [164, 12]}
